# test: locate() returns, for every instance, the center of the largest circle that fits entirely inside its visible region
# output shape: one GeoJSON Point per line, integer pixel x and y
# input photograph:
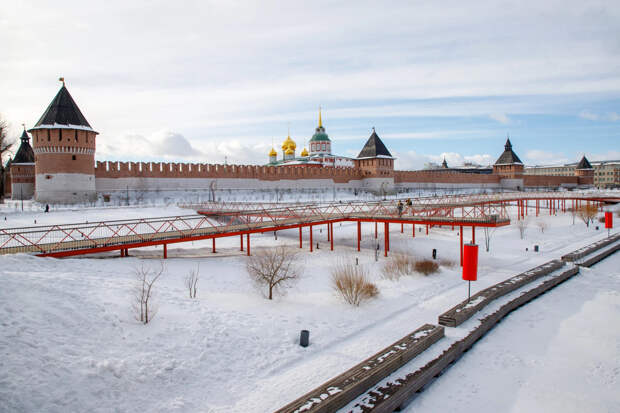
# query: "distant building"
{"type": "Point", "coordinates": [606, 173]}
{"type": "Point", "coordinates": [320, 152]}
{"type": "Point", "coordinates": [466, 168]}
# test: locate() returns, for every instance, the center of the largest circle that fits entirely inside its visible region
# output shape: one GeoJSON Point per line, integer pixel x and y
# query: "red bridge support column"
{"type": "Point", "coordinates": [413, 231]}
{"type": "Point", "coordinates": [402, 228]}
{"type": "Point", "coordinates": [359, 234]}
{"type": "Point", "coordinates": [311, 238]}
{"type": "Point", "coordinates": [387, 238]}
{"type": "Point", "coordinates": [241, 242]}
{"type": "Point", "coordinates": [328, 231]}
{"type": "Point", "coordinates": [300, 246]}
{"type": "Point", "coordinates": [473, 234]}
{"type": "Point", "coordinates": [165, 251]}
{"type": "Point", "coordinates": [248, 242]}
{"type": "Point", "coordinates": [331, 239]}
{"type": "Point", "coordinates": [376, 230]}
{"type": "Point", "coordinates": [461, 245]}
{"type": "Point", "coordinates": [426, 229]}
{"type": "Point", "coordinates": [213, 249]}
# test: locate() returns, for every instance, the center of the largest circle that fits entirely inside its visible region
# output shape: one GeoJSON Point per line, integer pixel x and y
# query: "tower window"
{"type": "Point", "coordinates": [59, 135]}
{"type": "Point", "coordinates": [49, 137]}
{"type": "Point", "coordinates": [73, 157]}
{"type": "Point", "coordinates": [76, 133]}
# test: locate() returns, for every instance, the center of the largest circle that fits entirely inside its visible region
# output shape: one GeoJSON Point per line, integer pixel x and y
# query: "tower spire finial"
{"type": "Point", "coordinates": [320, 121]}
{"type": "Point", "coordinates": [62, 79]}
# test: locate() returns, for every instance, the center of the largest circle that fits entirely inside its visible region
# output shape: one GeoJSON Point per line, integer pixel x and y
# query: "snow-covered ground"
{"type": "Point", "coordinates": [560, 353]}
{"type": "Point", "coordinates": [69, 341]}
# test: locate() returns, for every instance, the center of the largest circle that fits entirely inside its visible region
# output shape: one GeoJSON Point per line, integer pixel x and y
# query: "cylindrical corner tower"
{"type": "Point", "coordinates": [64, 148]}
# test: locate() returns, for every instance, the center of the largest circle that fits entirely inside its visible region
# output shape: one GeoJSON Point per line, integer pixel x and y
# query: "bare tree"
{"type": "Point", "coordinates": [587, 213]}
{"type": "Point", "coordinates": [146, 278]}
{"type": "Point", "coordinates": [488, 233]}
{"type": "Point", "coordinates": [542, 225]}
{"type": "Point", "coordinates": [191, 281]}
{"type": "Point", "coordinates": [573, 213]}
{"type": "Point", "coordinates": [274, 268]}
{"type": "Point", "coordinates": [5, 146]}
{"type": "Point", "coordinates": [522, 226]}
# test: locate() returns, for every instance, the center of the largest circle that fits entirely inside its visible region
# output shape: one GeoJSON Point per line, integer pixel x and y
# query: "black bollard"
{"type": "Point", "coordinates": [304, 338]}
{"type": "Point", "coordinates": [434, 253]}
{"type": "Point", "coordinates": [535, 248]}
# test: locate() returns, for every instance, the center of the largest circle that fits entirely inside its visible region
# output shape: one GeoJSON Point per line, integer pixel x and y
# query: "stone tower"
{"type": "Point", "coordinates": [585, 172]}
{"type": "Point", "coordinates": [22, 170]}
{"type": "Point", "coordinates": [64, 148]}
{"type": "Point", "coordinates": [374, 158]}
{"type": "Point", "coordinates": [508, 165]}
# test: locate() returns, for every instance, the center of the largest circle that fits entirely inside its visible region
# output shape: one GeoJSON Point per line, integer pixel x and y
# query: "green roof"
{"type": "Point", "coordinates": [320, 135]}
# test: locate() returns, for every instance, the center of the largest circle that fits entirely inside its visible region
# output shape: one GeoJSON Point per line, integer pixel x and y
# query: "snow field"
{"type": "Point", "coordinates": [69, 341]}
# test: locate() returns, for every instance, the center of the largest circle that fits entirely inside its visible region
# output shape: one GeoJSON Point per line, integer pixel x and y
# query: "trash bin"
{"type": "Point", "coordinates": [304, 338]}
{"type": "Point", "coordinates": [535, 248]}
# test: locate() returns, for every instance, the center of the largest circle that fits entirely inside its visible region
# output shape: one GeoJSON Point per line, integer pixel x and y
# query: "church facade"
{"type": "Point", "coordinates": [60, 167]}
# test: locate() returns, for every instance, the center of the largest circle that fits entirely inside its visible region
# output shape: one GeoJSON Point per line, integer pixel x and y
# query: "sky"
{"type": "Point", "coordinates": [215, 81]}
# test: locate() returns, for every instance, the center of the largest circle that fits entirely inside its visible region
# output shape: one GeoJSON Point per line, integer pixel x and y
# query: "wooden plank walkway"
{"type": "Point", "coordinates": [398, 392]}
{"type": "Point", "coordinates": [339, 391]}
{"type": "Point", "coordinates": [464, 310]}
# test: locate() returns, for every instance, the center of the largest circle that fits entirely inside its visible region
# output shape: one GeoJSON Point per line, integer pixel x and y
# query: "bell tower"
{"type": "Point", "coordinates": [64, 149]}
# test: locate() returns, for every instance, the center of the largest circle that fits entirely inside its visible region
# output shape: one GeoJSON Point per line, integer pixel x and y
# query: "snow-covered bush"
{"type": "Point", "coordinates": [351, 282]}
{"type": "Point", "coordinates": [398, 264]}
{"type": "Point", "coordinates": [426, 267]}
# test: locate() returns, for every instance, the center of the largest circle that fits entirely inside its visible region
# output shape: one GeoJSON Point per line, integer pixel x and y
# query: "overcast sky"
{"type": "Point", "coordinates": [205, 80]}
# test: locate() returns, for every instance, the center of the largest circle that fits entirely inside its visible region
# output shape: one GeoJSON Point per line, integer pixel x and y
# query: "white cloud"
{"type": "Point", "coordinates": [162, 144]}
{"type": "Point", "coordinates": [608, 116]}
{"type": "Point", "coordinates": [411, 160]}
{"type": "Point", "coordinates": [501, 118]}
{"type": "Point", "coordinates": [605, 156]}
{"type": "Point", "coordinates": [540, 157]}
{"type": "Point", "coordinates": [586, 114]}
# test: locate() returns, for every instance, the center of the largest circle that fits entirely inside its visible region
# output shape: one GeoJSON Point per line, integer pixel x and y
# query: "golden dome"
{"type": "Point", "coordinates": [289, 151]}
{"type": "Point", "coordinates": [304, 153]}
{"type": "Point", "coordinates": [289, 143]}
{"type": "Point", "coordinates": [273, 152]}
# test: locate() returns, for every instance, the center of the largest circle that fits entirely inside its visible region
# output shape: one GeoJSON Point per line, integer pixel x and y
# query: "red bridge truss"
{"type": "Point", "coordinates": [226, 219]}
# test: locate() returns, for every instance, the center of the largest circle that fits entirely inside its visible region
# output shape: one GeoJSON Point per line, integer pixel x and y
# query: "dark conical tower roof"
{"type": "Point", "coordinates": [24, 154]}
{"type": "Point", "coordinates": [508, 157]}
{"type": "Point", "coordinates": [374, 147]}
{"type": "Point", "coordinates": [63, 112]}
{"type": "Point", "coordinates": [584, 164]}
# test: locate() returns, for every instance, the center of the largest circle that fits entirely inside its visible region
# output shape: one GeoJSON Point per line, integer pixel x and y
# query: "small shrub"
{"type": "Point", "coordinates": [399, 264]}
{"type": "Point", "coordinates": [426, 267]}
{"type": "Point", "coordinates": [444, 262]}
{"type": "Point", "coordinates": [351, 283]}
